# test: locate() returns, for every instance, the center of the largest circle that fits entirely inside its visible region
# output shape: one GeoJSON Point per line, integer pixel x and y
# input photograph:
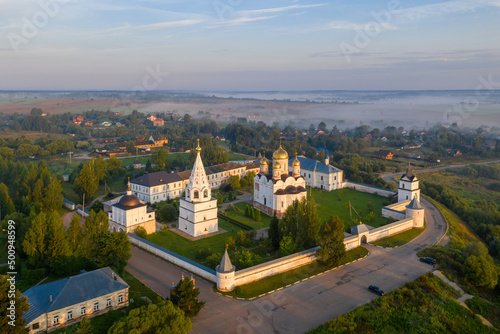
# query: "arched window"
{"type": "Point", "coordinates": [195, 194]}
{"type": "Point", "coordinates": [205, 193]}
{"type": "Point", "coordinates": [403, 186]}
{"type": "Point", "coordinates": [265, 201]}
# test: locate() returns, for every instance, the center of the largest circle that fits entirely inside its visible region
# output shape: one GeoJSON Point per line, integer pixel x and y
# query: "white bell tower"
{"type": "Point", "coordinates": [408, 186]}
{"type": "Point", "coordinates": [198, 210]}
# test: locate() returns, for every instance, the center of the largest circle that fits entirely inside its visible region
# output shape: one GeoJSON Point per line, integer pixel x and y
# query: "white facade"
{"type": "Point", "coordinates": [129, 213]}
{"type": "Point", "coordinates": [275, 191]}
{"type": "Point", "coordinates": [198, 210]}
{"type": "Point", "coordinates": [158, 193]}
{"type": "Point", "coordinates": [321, 175]}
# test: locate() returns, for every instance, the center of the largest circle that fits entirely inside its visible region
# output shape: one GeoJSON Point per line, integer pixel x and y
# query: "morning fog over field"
{"type": "Point", "coordinates": [345, 109]}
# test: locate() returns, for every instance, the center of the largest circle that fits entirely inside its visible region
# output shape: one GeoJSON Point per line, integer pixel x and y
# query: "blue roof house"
{"type": "Point", "coordinates": [67, 301]}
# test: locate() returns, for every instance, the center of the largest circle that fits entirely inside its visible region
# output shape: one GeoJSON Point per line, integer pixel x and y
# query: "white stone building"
{"type": "Point", "coordinates": [275, 191]}
{"type": "Point", "coordinates": [408, 186]}
{"type": "Point", "coordinates": [65, 302]}
{"type": "Point", "coordinates": [320, 175]}
{"type": "Point", "coordinates": [130, 213]}
{"type": "Point", "coordinates": [162, 186]}
{"type": "Point", "coordinates": [198, 210]}
{"type": "Point", "coordinates": [157, 187]}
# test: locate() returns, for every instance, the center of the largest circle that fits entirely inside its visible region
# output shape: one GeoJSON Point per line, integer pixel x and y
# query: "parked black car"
{"type": "Point", "coordinates": [376, 289]}
{"type": "Point", "coordinates": [428, 260]}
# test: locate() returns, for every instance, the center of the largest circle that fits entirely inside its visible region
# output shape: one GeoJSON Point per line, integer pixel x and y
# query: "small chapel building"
{"type": "Point", "coordinates": [198, 210]}
{"type": "Point", "coordinates": [276, 189]}
{"type": "Point", "coordinates": [130, 213]}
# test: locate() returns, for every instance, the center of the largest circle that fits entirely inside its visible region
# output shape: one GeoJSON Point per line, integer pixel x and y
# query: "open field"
{"type": "Point", "coordinates": [474, 188]}
{"type": "Point", "coordinates": [236, 156]}
{"type": "Point", "coordinates": [31, 134]}
{"type": "Point", "coordinates": [54, 106]}
{"type": "Point", "coordinates": [270, 283]}
{"type": "Point", "coordinates": [187, 248]}
{"type": "Point", "coordinates": [336, 203]}
{"type": "Point", "coordinates": [426, 305]}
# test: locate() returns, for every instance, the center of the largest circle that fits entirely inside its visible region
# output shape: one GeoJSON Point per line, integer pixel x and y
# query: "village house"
{"type": "Point", "coordinates": [65, 302]}
{"type": "Point", "coordinates": [384, 154]}
{"type": "Point", "coordinates": [158, 122]}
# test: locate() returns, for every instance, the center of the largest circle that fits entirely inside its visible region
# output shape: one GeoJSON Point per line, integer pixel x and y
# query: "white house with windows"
{"type": "Point", "coordinates": [320, 175]}
{"type": "Point", "coordinates": [157, 187]}
{"type": "Point", "coordinates": [219, 174]}
{"type": "Point", "coordinates": [65, 302]}
{"type": "Point", "coordinates": [198, 210]}
{"type": "Point", "coordinates": [162, 186]}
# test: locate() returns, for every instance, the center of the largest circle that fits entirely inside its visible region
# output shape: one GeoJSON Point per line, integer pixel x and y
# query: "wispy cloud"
{"type": "Point", "coordinates": [344, 25]}
{"type": "Point", "coordinates": [277, 9]}
{"type": "Point", "coordinates": [171, 24]}
{"type": "Point", "coordinates": [242, 20]}
{"type": "Point", "coordinates": [443, 8]}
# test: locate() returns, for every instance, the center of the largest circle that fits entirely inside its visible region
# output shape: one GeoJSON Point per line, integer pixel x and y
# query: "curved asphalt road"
{"type": "Point", "coordinates": [308, 304]}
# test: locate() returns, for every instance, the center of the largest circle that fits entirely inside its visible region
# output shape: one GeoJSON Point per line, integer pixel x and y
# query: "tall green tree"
{"type": "Point", "coordinates": [130, 147]}
{"type": "Point", "coordinates": [160, 159]}
{"type": "Point", "coordinates": [87, 181]}
{"type": "Point", "coordinates": [301, 223]}
{"type": "Point", "coordinates": [73, 232]}
{"type": "Point", "coordinates": [331, 242]}
{"type": "Point", "coordinates": [114, 250]}
{"type": "Point", "coordinates": [234, 181]}
{"type": "Point", "coordinates": [15, 324]}
{"type": "Point", "coordinates": [6, 203]}
{"type": "Point", "coordinates": [288, 246]}
{"type": "Point", "coordinates": [163, 317]}
{"type": "Point", "coordinates": [34, 240]}
{"type": "Point", "coordinates": [57, 246]}
{"type": "Point", "coordinates": [52, 195]}
{"type": "Point", "coordinates": [274, 232]}
{"type": "Point", "coordinates": [92, 228]}
{"type": "Point", "coordinates": [185, 296]}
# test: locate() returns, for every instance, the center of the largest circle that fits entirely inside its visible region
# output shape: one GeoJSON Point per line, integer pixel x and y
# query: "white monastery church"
{"type": "Point", "coordinates": [198, 210]}
{"type": "Point", "coordinates": [276, 189]}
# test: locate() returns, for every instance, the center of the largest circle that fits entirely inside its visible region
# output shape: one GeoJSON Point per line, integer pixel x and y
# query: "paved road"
{"type": "Point", "coordinates": [390, 177]}
{"type": "Point", "coordinates": [305, 305]}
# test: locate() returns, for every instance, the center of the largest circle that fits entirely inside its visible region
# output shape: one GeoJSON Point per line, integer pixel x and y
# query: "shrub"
{"type": "Point", "coordinates": [203, 253]}
{"type": "Point", "coordinates": [213, 260]}
{"type": "Point", "coordinates": [167, 213]}
{"type": "Point", "coordinates": [141, 232]}
{"type": "Point", "coordinates": [242, 239]}
{"type": "Point", "coordinates": [231, 244]}
{"type": "Point", "coordinates": [243, 258]}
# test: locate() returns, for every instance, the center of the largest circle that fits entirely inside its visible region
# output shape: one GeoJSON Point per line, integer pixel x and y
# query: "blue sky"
{"type": "Point", "coordinates": [248, 45]}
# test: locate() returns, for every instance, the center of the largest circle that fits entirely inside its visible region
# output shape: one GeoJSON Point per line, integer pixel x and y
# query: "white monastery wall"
{"type": "Point", "coordinates": [369, 189]}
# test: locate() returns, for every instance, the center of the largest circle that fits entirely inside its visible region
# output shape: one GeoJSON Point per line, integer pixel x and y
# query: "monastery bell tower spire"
{"type": "Point", "coordinates": [198, 189]}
